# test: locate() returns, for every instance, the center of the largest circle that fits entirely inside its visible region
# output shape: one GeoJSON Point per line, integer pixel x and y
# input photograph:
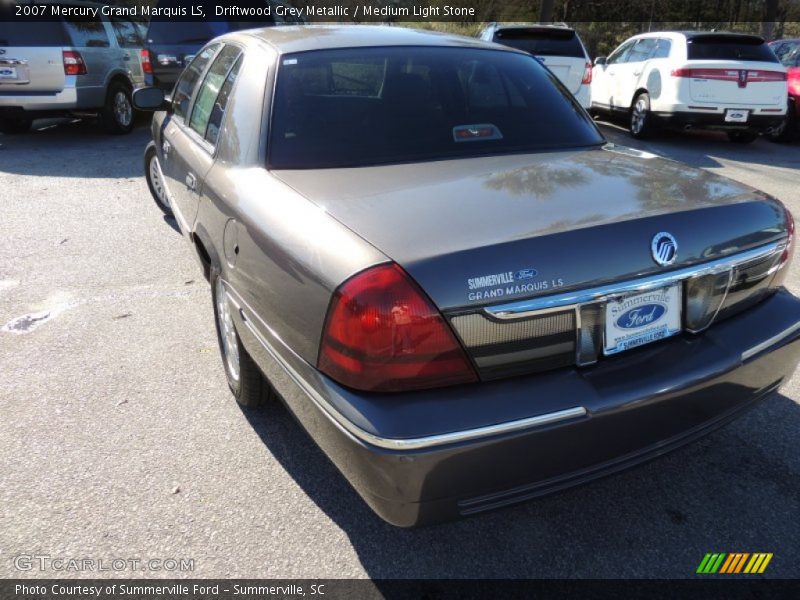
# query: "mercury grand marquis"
{"type": "Point", "coordinates": [424, 246]}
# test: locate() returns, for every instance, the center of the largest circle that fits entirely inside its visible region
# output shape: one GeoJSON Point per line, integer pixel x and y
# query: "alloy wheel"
{"type": "Point", "coordinates": [123, 111]}
{"type": "Point", "coordinates": [227, 333]}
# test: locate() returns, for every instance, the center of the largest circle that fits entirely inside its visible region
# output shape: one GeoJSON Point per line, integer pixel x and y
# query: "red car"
{"type": "Point", "coordinates": [788, 52]}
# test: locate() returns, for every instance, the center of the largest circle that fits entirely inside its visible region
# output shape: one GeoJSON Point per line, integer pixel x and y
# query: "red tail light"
{"type": "Point", "coordinates": [752, 76]}
{"type": "Point", "coordinates": [383, 334]}
{"type": "Point", "coordinates": [147, 66]}
{"type": "Point", "coordinates": [794, 81]}
{"type": "Point", "coordinates": [73, 63]}
{"type": "Point", "coordinates": [587, 74]}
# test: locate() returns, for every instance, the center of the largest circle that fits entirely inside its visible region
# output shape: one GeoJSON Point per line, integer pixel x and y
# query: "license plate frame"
{"type": "Point", "coordinates": [737, 115]}
{"type": "Point", "coordinates": [641, 318]}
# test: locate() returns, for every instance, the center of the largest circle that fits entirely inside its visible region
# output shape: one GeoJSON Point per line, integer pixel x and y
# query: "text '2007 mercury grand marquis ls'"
{"type": "Point", "coordinates": [426, 248]}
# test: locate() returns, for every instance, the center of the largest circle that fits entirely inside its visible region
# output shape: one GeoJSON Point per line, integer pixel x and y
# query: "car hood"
{"type": "Point", "coordinates": [562, 219]}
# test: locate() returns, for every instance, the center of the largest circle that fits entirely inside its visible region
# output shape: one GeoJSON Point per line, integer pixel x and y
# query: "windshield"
{"type": "Point", "coordinates": [730, 47]}
{"type": "Point", "coordinates": [364, 106]}
{"type": "Point", "coordinates": [541, 42]}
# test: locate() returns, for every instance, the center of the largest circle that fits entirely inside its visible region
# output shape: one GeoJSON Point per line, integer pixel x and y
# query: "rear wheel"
{"type": "Point", "coordinates": [14, 126]}
{"type": "Point", "coordinates": [155, 181]}
{"type": "Point", "coordinates": [118, 110]}
{"type": "Point", "coordinates": [742, 137]}
{"type": "Point", "coordinates": [248, 385]}
{"type": "Point", "coordinates": [641, 123]}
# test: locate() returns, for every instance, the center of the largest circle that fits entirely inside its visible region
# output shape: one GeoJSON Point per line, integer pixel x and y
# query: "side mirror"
{"type": "Point", "coordinates": [600, 61]}
{"type": "Point", "coordinates": [150, 99]}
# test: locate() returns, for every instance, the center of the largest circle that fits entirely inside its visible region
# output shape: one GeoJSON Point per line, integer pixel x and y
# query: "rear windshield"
{"type": "Point", "coordinates": [29, 33]}
{"type": "Point", "coordinates": [729, 47]}
{"type": "Point", "coordinates": [196, 33]}
{"type": "Point", "coordinates": [354, 107]}
{"type": "Point", "coordinates": [541, 42]}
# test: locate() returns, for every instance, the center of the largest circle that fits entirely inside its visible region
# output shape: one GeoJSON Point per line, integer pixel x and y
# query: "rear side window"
{"type": "Point", "coordinates": [662, 49]}
{"type": "Point", "coordinates": [126, 33]}
{"type": "Point", "coordinates": [354, 107]}
{"type": "Point", "coordinates": [87, 34]}
{"type": "Point", "coordinates": [642, 50]}
{"type": "Point", "coordinates": [729, 47]}
{"type": "Point", "coordinates": [28, 33]}
{"type": "Point", "coordinates": [184, 89]}
{"type": "Point", "coordinates": [541, 42]}
{"type": "Point", "coordinates": [215, 122]}
{"type": "Point", "coordinates": [209, 90]}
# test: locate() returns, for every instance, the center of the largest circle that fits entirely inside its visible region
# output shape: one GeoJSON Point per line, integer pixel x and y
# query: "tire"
{"type": "Point", "coordinates": [248, 385]}
{"type": "Point", "coordinates": [117, 115]}
{"type": "Point", "coordinates": [15, 126]}
{"type": "Point", "coordinates": [641, 119]}
{"type": "Point", "coordinates": [742, 137]}
{"type": "Point", "coordinates": [155, 181]}
{"type": "Point", "coordinates": [788, 130]}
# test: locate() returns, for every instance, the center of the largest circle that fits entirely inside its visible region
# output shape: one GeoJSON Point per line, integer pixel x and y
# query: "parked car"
{"type": "Point", "coordinates": [726, 81]}
{"type": "Point", "coordinates": [788, 52]}
{"type": "Point", "coordinates": [172, 44]}
{"type": "Point", "coordinates": [465, 295]}
{"type": "Point", "coordinates": [556, 46]}
{"type": "Point", "coordinates": [70, 66]}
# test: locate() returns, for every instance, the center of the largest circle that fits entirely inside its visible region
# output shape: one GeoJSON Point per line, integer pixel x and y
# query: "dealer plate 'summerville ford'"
{"type": "Point", "coordinates": [642, 318]}
{"type": "Point", "coordinates": [423, 245]}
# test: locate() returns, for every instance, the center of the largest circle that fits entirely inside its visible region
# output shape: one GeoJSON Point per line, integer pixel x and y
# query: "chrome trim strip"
{"type": "Point", "coordinates": [566, 300]}
{"type": "Point", "coordinates": [395, 443]}
{"type": "Point", "coordinates": [770, 342]}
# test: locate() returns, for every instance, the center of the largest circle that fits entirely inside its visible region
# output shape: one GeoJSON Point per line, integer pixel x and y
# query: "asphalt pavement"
{"type": "Point", "coordinates": [119, 438]}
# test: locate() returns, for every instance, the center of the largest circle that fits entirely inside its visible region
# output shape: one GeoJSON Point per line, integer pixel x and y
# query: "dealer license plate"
{"type": "Point", "coordinates": [735, 115]}
{"type": "Point", "coordinates": [8, 73]}
{"type": "Point", "coordinates": [642, 318]}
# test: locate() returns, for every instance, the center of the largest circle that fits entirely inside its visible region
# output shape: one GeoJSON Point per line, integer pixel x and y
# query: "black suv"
{"type": "Point", "coordinates": [171, 44]}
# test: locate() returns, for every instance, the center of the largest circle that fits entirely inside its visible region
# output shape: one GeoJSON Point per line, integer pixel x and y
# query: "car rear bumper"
{"type": "Point", "coordinates": [70, 99]}
{"type": "Point", "coordinates": [761, 122]}
{"type": "Point", "coordinates": [429, 456]}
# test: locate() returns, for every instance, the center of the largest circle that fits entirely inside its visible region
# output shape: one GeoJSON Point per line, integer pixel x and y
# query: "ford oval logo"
{"type": "Point", "coordinates": [526, 274]}
{"type": "Point", "coordinates": [643, 315]}
{"type": "Point", "coordinates": [2, 51]}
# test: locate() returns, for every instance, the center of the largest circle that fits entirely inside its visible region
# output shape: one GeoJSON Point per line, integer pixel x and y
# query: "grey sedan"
{"type": "Point", "coordinates": [423, 245]}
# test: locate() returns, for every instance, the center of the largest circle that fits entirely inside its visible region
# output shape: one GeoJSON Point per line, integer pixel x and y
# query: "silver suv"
{"type": "Point", "coordinates": [68, 66]}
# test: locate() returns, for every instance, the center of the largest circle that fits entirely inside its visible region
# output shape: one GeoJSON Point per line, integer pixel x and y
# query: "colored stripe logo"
{"type": "Point", "coordinates": [734, 562]}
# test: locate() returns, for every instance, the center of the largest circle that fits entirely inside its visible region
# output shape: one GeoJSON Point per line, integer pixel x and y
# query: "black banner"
{"type": "Point", "coordinates": [732, 588]}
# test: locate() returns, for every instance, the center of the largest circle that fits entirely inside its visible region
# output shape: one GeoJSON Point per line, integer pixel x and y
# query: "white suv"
{"type": "Point", "coordinates": [706, 80]}
{"type": "Point", "coordinates": [556, 46]}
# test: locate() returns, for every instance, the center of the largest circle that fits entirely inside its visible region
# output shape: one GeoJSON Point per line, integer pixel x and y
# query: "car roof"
{"type": "Point", "coordinates": [300, 38]}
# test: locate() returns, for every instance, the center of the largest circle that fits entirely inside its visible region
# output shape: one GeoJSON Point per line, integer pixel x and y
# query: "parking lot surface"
{"type": "Point", "coordinates": [120, 439]}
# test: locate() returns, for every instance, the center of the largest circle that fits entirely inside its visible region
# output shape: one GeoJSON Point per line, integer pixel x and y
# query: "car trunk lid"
{"type": "Point", "coordinates": [481, 231]}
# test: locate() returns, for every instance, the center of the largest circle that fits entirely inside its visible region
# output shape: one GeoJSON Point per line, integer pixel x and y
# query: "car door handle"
{"type": "Point", "coordinates": [191, 181]}
{"type": "Point", "coordinates": [126, 58]}
{"type": "Point", "coordinates": [637, 73]}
